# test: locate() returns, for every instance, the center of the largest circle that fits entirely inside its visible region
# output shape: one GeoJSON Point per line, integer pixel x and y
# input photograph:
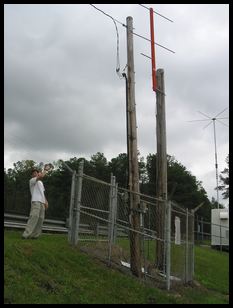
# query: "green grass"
{"type": "Point", "coordinates": [212, 268]}
{"type": "Point", "coordinates": [48, 270]}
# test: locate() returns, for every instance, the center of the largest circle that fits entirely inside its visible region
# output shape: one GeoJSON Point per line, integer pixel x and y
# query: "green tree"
{"type": "Point", "coordinates": [118, 166]}
{"type": "Point", "coordinates": [16, 187]}
{"type": "Point", "coordinates": [99, 166]}
{"type": "Point", "coordinates": [57, 190]}
{"type": "Point", "coordinates": [149, 186]}
{"type": "Point", "coordinates": [224, 179]}
{"type": "Point", "coordinates": [187, 191]}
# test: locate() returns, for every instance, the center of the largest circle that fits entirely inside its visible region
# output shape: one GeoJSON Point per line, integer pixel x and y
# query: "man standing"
{"type": "Point", "coordinates": [38, 205]}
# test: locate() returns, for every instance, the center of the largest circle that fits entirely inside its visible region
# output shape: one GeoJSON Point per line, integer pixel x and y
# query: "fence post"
{"type": "Point", "coordinates": [193, 241]}
{"type": "Point", "coordinates": [186, 247]}
{"type": "Point", "coordinates": [77, 205]}
{"type": "Point", "coordinates": [115, 213]}
{"type": "Point", "coordinates": [72, 200]}
{"type": "Point", "coordinates": [202, 230]}
{"type": "Point", "coordinates": [168, 243]}
{"type": "Point", "coordinates": [220, 236]}
{"type": "Point", "coordinates": [110, 206]}
{"type": "Point", "coordinates": [198, 236]}
{"type": "Point", "coordinates": [111, 217]}
{"type": "Point", "coordinates": [193, 211]}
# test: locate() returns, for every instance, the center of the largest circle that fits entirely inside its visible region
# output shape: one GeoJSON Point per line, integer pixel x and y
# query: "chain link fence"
{"type": "Point", "coordinates": [109, 231]}
{"type": "Point", "coordinates": [182, 245]}
{"type": "Point", "coordinates": [214, 233]}
{"type": "Point", "coordinates": [102, 223]}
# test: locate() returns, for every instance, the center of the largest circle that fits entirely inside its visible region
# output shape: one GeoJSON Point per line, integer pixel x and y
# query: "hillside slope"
{"type": "Point", "coordinates": [48, 270]}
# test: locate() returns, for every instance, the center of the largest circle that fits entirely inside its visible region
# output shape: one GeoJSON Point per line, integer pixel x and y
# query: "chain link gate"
{"type": "Point", "coordinates": [182, 244]}
{"type": "Point", "coordinates": [99, 224]}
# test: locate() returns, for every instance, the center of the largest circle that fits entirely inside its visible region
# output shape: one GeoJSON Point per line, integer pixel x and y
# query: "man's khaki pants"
{"type": "Point", "coordinates": [35, 221]}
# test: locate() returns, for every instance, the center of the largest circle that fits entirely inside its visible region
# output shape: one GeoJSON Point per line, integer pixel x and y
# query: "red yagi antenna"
{"type": "Point", "coordinates": [152, 50]}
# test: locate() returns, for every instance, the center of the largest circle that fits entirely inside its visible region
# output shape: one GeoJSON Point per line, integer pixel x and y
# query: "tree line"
{"type": "Point", "coordinates": [186, 190]}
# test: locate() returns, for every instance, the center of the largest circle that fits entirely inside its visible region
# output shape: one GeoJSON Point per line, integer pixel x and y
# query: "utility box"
{"type": "Point", "coordinates": [220, 228]}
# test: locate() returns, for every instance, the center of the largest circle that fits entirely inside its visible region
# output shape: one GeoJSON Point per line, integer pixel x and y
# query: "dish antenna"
{"type": "Point", "coordinates": [212, 120]}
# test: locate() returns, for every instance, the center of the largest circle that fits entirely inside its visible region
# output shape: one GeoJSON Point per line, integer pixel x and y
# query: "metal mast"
{"type": "Point", "coordinates": [212, 120]}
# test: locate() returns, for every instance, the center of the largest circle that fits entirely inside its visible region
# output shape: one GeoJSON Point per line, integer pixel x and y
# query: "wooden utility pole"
{"type": "Point", "coordinates": [134, 199]}
{"type": "Point", "coordinates": [161, 166]}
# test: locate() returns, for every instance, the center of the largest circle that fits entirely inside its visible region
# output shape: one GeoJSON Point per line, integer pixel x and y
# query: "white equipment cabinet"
{"type": "Point", "coordinates": [220, 227]}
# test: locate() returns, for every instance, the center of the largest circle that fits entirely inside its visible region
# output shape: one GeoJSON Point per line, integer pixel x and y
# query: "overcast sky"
{"type": "Point", "coordinates": [63, 98]}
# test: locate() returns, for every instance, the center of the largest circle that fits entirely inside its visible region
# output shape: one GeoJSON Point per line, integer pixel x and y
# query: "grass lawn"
{"type": "Point", "coordinates": [49, 271]}
{"type": "Point", "coordinates": [212, 268]}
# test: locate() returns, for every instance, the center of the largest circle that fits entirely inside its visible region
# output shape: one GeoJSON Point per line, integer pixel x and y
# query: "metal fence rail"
{"type": "Point", "coordinates": [19, 222]}
{"type": "Point", "coordinates": [14, 221]}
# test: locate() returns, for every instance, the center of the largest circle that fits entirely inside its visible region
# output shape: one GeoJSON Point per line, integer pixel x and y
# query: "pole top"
{"type": "Point", "coordinates": [160, 70]}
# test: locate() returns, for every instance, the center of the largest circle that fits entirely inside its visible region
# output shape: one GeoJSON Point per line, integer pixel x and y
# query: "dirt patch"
{"type": "Point", "coordinates": [100, 251]}
{"type": "Point", "coordinates": [49, 286]}
{"type": "Point", "coordinates": [27, 250]}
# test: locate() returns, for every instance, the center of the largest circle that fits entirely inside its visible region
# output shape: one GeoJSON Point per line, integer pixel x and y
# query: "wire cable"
{"type": "Point", "coordinates": [115, 20]}
{"type": "Point", "coordinates": [143, 37]}
{"type": "Point", "coordinates": [118, 57]}
{"type": "Point", "coordinates": [157, 13]}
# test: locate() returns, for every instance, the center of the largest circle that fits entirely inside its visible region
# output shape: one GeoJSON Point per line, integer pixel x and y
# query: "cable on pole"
{"type": "Point", "coordinates": [118, 57]}
{"type": "Point", "coordinates": [115, 20]}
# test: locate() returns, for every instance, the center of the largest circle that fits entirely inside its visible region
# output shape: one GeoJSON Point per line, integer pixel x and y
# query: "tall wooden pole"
{"type": "Point", "coordinates": [135, 249]}
{"type": "Point", "coordinates": [161, 167]}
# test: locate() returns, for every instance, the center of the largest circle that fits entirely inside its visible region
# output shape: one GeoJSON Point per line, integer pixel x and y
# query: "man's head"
{"type": "Point", "coordinates": [35, 172]}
